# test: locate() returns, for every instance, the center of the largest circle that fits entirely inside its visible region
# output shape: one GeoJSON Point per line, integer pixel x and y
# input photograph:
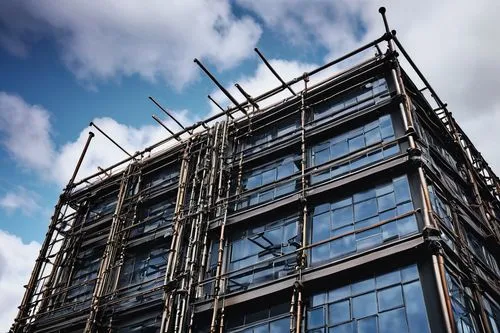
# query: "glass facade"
{"type": "Point", "coordinates": [362, 221]}
{"type": "Point", "coordinates": [462, 305]}
{"type": "Point", "coordinates": [362, 96]}
{"type": "Point", "coordinates": [267, 320]}
{"type": "Point", "coordinates": [263, 138]}
{"type": "Point", "coordinates": [386, 303]}
{"type": "Point", "coordinates": [261, 253]}
{"type": "Point", "coordinates": [154, 216]}
{"type": "Point", "coordinates": [255, 180]}
{"type": "Point", "coordinates": [104, 207]}
{"type": "Point", "coordinates": [482, 253]}
{"type": "Point", "coordinates": [356, 140]}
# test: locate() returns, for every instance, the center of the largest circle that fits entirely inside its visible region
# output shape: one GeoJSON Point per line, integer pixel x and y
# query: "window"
{"type": "Point", "coordinates": [265, 175]}
{"type": "Point", "coordinates": [462, 305]}
{"type": "Point", "coordinates": [105, 206]}
{"type": "Point", "coordinates": [260, 254]}
{"type": "Point", "coordinates": [268, 136]}
{"type": "Point", "coordinates": [440, 208]}
{"type": "Point", "coordinates": [339, 146]}
{"type": "Point", "coordinates": [478, 248]}
{"type": "Point", "coordinates": [84, 275]}
{"type": "Point", "coordinates": [353, 100]}
{"type": "Point", "coordinates": [147, 326]}
{"type": "Point", "coordinates": [390, 302]}
{"type": "Point", "coordinates": [154, 216]}
{"type": "Point", "coordinates": [266, 320]}
{"type": "Point", "coordinates": [143, 266]}
{"type": "Point", "coordinates": [162, 178]}
{"type": "Point", "coordinates": [349, 221]}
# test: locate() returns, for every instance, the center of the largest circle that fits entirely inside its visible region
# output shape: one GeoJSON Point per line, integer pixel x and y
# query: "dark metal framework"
{"type": "Point", "coordinates": [200, 235]}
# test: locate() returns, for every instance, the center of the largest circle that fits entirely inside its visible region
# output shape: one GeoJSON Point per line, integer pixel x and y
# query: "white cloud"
{"type": "Point", "coordinates": [156, 40]}
{"type": "Point", "coordinates": [16, 262]}
{"type": "Point", "coordinates": [25, 129]}
{"type": "Point", "coordinates": [21, 199]}
{"type": "Point", "coordinates": [453, 43]}
{"type": "Point", "coordinates": [25, 132]}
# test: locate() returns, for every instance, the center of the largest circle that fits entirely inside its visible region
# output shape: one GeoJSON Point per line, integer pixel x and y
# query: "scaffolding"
{"type": "Point", "coordinates": [149, 245]}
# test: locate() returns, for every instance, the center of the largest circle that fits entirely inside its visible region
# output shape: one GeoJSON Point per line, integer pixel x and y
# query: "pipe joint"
{"type": "Point", "coordinates": [432, 239]}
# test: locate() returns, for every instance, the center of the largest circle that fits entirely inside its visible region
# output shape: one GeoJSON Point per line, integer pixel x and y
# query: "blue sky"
{"type": "Point", "coordinates": [64, 64]}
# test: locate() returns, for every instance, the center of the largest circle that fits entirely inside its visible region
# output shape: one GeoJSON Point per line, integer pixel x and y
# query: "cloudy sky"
{"type": "Point", "coordinates": [66, 63]}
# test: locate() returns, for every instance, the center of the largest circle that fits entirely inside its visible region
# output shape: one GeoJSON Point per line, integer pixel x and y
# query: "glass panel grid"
{"type": "Point", "coordinates": [391, 302]}
{"type": "Point", "coordinates": [353, 141]}
{"type": "Point", "coordinates": [357, 220]}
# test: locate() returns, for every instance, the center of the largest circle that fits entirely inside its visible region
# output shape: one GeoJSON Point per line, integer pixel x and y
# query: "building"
{"type": "Point", "coordinates": [355, 205]}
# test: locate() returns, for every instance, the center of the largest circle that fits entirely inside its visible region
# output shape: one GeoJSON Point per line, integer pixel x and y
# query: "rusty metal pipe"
{"type": "Point", "coordinates": [283, 83]}
{"type": "Point", "coordinates": [167, 113]}
{"type": "Point", "coordinates": [214, 80]}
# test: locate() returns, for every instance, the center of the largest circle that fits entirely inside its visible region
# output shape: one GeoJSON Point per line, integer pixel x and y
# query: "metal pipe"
{"type": "Point", "coordinates": [220, 107]}
{"type": "Point", "coordinates": [80, 160]}
{"type": "Point", "coordinates": [165, 127]}
{"type": "Point", "coordinates": [247, 96]}
{"type": "Point", "coordinates": [218, 273]}
{"type": "Point", "coordinates": [441, 295]}
{"type": "Point", "coordinates": [108, 254]}
{"type": "Point", "coordinates": [113, 141]}
{"type": "Point", "coordinates": [283, 83]}
{"type": "Point", "coordinates": [167, 113]}
{"type": "Point", "coordinates": [298, 323]}
{"type": "Point", "coordinates": [438, 265]}
{"type": "Point", "coordinates": [214, 80]}
{"type": "Point", "coordinates": [175, 245]}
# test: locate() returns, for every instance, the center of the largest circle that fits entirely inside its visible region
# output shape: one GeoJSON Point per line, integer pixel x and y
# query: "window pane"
{"type": "Point", "coordinates": [356, 143]}
{"type": "Point", "coordinates": [407, 225]}
{"type": "Point", "coordinates": [389, 298]}
{"type": "Point", "coordinates": [285, 170]}
{"type": "Point", "coordinates": [365, 209]}
{"type": "Point", "coordinates": [390, 231]}
{"type": "Point", "coordinates": [339, 149]}
{"type": "Point", "coordinates": [401, 189]}
{"type": "Point", "coordinates": [415, 308]}
{"type": "Point", "coordinates": [364, 305]}
{"type": "Point", "coordinates": [322, 156]}
{"type": "Point", "coordinates": [318, 299]}
{"type": "Point", "coordinates": [280, 326]}
{"type": "Point", "coordinates": [386, 126]}
{"type": "Point", "coordinates": [342, 217]}
{"type": "Point", "coordinates": [261, 329]}
{"type": "Point", "coordinates": [342, 246]}
{"type": "Point", "coordinates": [268, 176]}
{"type": "Point", "coordinates": [369, 242]}
{"type": "Point", "coordinates": [320, 253]}
{"type": "Point", "coordinates": [315, 318]}
{"type": "Point", "coordinates": [339, 293]}
{"type": "Point", "coordinates": [362, 196]}
{"type": "Point", "coordinates": [339, 312]}
{"type": "Point", "coordinates": [363, 286]}
{"type": "Point", "coordinates": [344, 328]}
{"type": "Point", "coordinates": [373, 136]}
{"type": "Point", "coordinates": [388, 279]}
{"type": "Point", "coordinates": [386, 202]}
{"type": "Point", "coordinates": [367, 325]}
{"type": "Point", "coordinates": [253, 182]}
{"type": "Point", "coordinates": [266, 196]}
{"type": "Point", "coordinates": [393, 321]}
{"type": "Point", "coordinates": [320, 227]}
